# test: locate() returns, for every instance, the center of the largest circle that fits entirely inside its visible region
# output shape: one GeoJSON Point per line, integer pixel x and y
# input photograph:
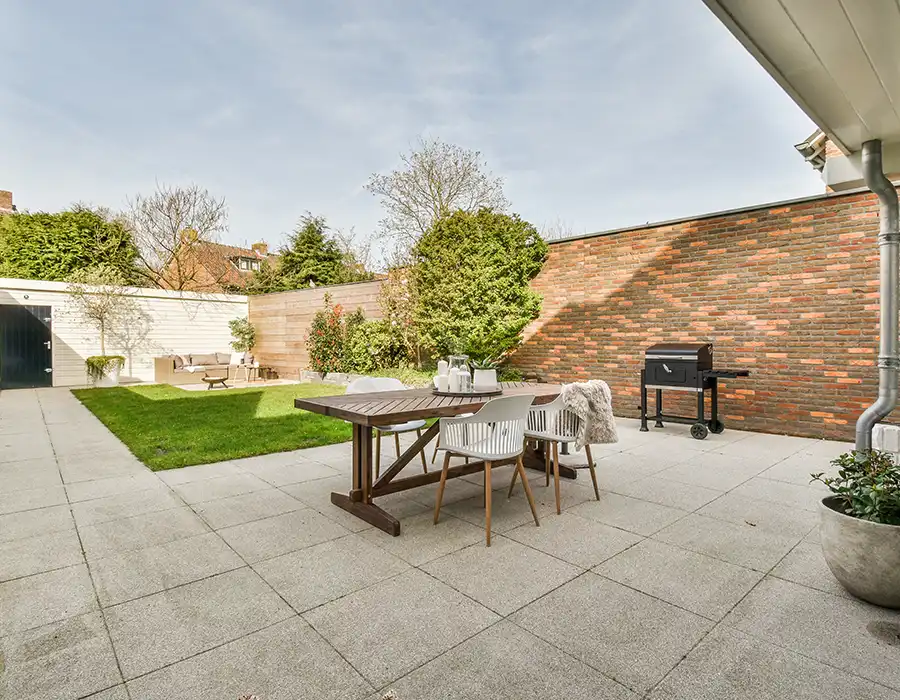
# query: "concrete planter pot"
{"type": "Point", "coordinates": [110, 379]}
{"type": "Point", "coordinates": [485, 379]}
{"type": "Point", "coordinates": [864, 556]}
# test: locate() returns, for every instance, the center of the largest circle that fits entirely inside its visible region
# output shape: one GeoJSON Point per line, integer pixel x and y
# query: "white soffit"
{"type": "Point", "coordinates": [838, 59]}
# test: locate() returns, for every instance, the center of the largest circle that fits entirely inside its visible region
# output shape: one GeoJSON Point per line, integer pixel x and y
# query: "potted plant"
{"type": "Point", "coordinates": [485, 375]}
{"type": "Point", "coordinates": [104, 370]}
{"type": "Point", "coordinates": [860, 526]}
{"type": "Point", "coordinates": [244, 335]}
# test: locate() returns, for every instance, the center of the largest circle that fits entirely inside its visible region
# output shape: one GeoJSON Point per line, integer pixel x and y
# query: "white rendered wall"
{"type": "Point", "coordinates": [181, 322]}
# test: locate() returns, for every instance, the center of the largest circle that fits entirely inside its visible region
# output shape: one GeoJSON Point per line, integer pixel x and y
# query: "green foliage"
{"type": "Point", "coordinates": [371, 346]}
{"type": "Point", "coordinates": [97, 294]}
{"type": "Point", "coordinates": [98, 366]}
{"type": "Point", "coordinates": [868, 485]}
{"type": "Point", "coordinates": [325, 342]}
{"type": "Point", "coordinates": [509, 374]}
{"type": "Point", "coordinates": [311, 256]}
{"type": "Point", "coordinates": [408, 375]}
{"type": "Point", "coordinates": [266, 280]}
{"type": "Point", "coordinates": [244, 334]}
{"type": "Point", "coordinates": [45, 246]}
{"type": "Point", "coordinates": [471, 275]}
{"type": "Point", "coordinates": [485, 363]}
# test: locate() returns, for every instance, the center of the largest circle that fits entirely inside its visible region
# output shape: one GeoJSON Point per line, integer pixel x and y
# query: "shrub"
{"type": "Point", "coordinates": [99, 366]}
{"type": "Point", "coordinates": [325, 342]}
{"type": "Point", "coordinates": [244, 334]}
{"type": "Point", "coordinates": [372, 345]}
{"type": "Point", "coordinates": [868, 485]}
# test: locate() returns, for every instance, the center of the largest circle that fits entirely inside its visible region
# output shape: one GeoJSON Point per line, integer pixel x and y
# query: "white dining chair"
{"type": "Point", "coordinates": [495, 432]}
{"type": "Point", "coordinates": [366, 385]}
{"type": "Point", "coordinates": [552, 423]}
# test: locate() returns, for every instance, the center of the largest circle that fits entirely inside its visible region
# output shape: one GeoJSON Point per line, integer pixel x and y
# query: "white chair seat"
{"type": "Point", "coordinates": [402, 427]}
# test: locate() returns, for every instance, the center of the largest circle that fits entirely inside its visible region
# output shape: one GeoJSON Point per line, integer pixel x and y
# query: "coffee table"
{"type": "Point", "coordinates": [212, 381]}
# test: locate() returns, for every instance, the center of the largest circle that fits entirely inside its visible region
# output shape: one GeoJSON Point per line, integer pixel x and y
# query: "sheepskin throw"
{"type": "Point", "coordinates": [592, 403]}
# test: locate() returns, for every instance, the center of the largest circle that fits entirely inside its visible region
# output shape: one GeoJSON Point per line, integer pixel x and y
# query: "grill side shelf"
{"type": "Point", "coordinates": [726, 373]}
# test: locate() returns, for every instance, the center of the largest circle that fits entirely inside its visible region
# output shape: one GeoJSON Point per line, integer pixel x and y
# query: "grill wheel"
{"type": "Point", "coordinates": [699, 431]}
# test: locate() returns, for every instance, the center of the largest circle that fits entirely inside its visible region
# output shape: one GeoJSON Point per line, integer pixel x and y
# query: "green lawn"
{"type": "Point", "coordinates": [166, 427]}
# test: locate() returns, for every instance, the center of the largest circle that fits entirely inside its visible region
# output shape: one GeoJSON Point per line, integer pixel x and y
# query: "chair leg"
{"type": "Point", "coordinates": [520, 469]}
{"type": "Point", "coordinates": [440, 493]}
{"type": "Point", "coordinates": [487, 502]}
{"type": "Point", "coordinates": [547, 462]}
{"type": "Point", "coordinates": [587, 451]}
{"type": "Point", "coordinates": [512, 483]}
{"type": "Point", "coordinates": [422, 452]}
{"type": "Point", "coordinates": [377, 453]}
{"type": "Point", "coordinates": [397, 443]}
{"type": "Point", "coordinates": [437, 443]}
{"type": "Point", "coordinates": [556, 474]}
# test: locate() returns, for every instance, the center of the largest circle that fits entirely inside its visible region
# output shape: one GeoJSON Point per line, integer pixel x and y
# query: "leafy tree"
{"type": "Point", "coordinates": [98, 295]}
{"type": "Point", "coordinates": [311, 255]}
{"type": "Point", "coordinates": [398, 299]}
{"type": "Point", "coordinates": [45, 246]}
{"type": "Point", "coordinates": [435, 178]}
{"type": "Point", "coordinates": [266, 280]}
{"type": "Point", "coordinates": [471, 273]}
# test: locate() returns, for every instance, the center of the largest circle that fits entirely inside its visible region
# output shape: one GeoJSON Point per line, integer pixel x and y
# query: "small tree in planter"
{"type": "Point", "coordinates": [860, 525]}
{"type": "Point", "coordinates": [244, 334]}
{"type": "Point", "coordinates": [97, 294]}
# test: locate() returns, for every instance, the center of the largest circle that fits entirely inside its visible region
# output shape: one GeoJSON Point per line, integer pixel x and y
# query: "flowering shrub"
{"type": "Point", "coordinates": [325, 342]}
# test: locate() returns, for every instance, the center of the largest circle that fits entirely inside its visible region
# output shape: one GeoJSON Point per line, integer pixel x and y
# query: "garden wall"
{"type": "Point", "coordinates": [176, 322]}
{"type": "Point", "coordinates": [789, 291]}
{"type": "Point", "coordinates": [282, 321]}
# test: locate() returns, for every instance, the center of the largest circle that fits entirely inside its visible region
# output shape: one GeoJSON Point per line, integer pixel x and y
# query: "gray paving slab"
{"type": "Point", "coordinates": [280, 534]}
{"type": "Point", "coordinates": [55, 550]}
{"type": "Point", "coordinates": [701, 584]}
{"type": "Point", "coordinates": [324, 572]}
{"type": "Point", "coordinates": [503, 577]}
{"type": "Point", "coordinates": [627, 635]}
{"type": "Point", "coordinates": [44, 598]}
{"type": "Point", "coordinates": [19, 447]}
{"type": "Point", "coordinates": [574, 539]}
{"type": "Point", "coordinates": [283, 662]}
{"type": "Point", "coordinates": [124, 505]}
{"type": "Point", "coordinates": [317, 495]}
{"type": "Point", "coordinates": [115, 537]}
{"type": "Point", "coordinates": [220, 487]}
{"type": "Point", "coordinates": [199, 472]}
{"type": "Point", "coordinates": [409, 620]}
{"type": "Point", "coordinates": [831, 629]}
{"type": "Point", "coordinates": [806, 565]}
{"type": "Point", "coordinates": [626, 513]}
{"type": "Point", "coordinates": [784, 493]}
{"type": "Point", "coordinates": [89, 467]}
{"type": "Point", "coordinates": [712, 471]}
{"type": "Point", "coordinates": [505, 662]}
{"type": "Point", "coordinates": [506, 513]}
{"type": "Point", "coordinates": [772, 517]}
{"type": "Point", "coordinates": [151, 632]}
{"type": "Point", "coordinates": [667, 492]}
{"type": "Point", "coordinates": [68, 659]}
{"type": "Point", "coordinates": [729, 664]}
{"type": "Point", "coordinates": [421, 540]}
{"type": "Point", "coordinates": [743, 545]}
{"type": "Point", "coordinates": [146, 571]}
{"type": "Point", "coordinates": [31, 523]}
{"type": "Point", "coordinates": [256, 505]}
{"type": "Point", "coordinates": [283, 474]}
{"type": "Point", "coordinates": [112, 486]}
{"type": "Point", "coordinates": [29, 499]}
{"type": "Point", "coordinates": [29, 474]}
{"type": "Point", "coordinates": [117, 692]}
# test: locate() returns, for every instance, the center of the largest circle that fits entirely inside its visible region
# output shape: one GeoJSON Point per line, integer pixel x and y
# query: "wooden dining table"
{"type": "Point", "coordinates": [368, 411]}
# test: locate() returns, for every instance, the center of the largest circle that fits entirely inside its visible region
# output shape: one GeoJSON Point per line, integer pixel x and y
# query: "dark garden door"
{"type": "Point", "coordinates": [26, 358]}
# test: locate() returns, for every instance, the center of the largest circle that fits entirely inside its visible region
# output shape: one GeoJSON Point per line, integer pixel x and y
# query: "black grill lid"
{"type": "Point", "coordinates": [694, 350]}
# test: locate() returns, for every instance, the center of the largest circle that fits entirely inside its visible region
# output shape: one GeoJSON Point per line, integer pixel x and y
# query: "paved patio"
{"type": "Point", "coordinates": [697, 575]}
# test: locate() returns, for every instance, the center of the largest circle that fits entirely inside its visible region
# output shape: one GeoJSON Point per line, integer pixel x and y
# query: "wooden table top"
{"type": "Point", "coordinates": [392, 407]}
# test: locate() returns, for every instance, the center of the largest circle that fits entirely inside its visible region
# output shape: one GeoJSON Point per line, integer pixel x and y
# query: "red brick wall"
{"type": "Point", "coordinates": [790, 293]}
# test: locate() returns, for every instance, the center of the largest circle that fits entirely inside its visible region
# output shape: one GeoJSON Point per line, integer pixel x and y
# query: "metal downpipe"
{"type": "Point", "coordinates": [889, 246]}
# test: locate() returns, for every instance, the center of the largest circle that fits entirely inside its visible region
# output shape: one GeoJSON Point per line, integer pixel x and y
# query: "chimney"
{"type": "Point", "coordinates": [261, 249]}
{"type": "Point", "coordinates": [6, 202]}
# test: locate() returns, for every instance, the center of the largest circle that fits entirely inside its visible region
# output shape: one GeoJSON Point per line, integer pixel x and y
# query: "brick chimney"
{"type": "Point", "coordinates": [261, 249]}
{"type": "Point", "coordinates": [6, 202]}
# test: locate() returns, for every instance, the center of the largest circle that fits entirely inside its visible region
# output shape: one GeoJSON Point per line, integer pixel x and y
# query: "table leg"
{"type": "Point", "coordinates": [534, 459]}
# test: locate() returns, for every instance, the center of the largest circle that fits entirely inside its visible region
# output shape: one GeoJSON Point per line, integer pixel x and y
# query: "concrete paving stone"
{"type": "Point", "coordinates": [506, 513]}
{"type": "Point", "coordinates": [618, 469]}
{"type": "Point", "coordinates": [837, 631]}
{"type": "Point", "coordinates": [408, 620]}
{"type": "Point", "coordinates": [226, 512]}
{"type": "Point", "coordinates": [43, 598]}
{"type": "Point", "coordinates": [503, 577]}
{"type": "Point", "coordinates": [146, 571]}
{"type": "Point", "coordinates": [29, 474]}
{"type": "Point", "coordinates": [220, 487]}
{"type": "Point", "coordinates": [337, 456]}
{"type": "Point", "coordinates": [101, 467]}
{"type": "Point", "coordinates": [24, 557]}
{"type": "Point", "coordinates": [116, 537]}
{"type": "Point", "coordinates": [283, 662]}
{"type": "Point", "coordinates": [67, 659]}
{"type": "Point", "coordinates": [324, 572]}
{"type": "Point", "coordinates": [29, 499]}
{"type": "Point", "coordinates": [31, 523]}
{"type": "Point", "coordinates": [797, 469]}
{"type": "Point", "coordinates": [117, 692]}
{"type": "Point", "coordinates": [124, 505]}
{"type": "Point", "coordinates": [505, 662]}
{"type": "Point", "coordinates": [169, 626]}
{"type": "Point", "coordinates": [112, 486]}
{"type": "Point", "coordinates": [666, 492]}
{"type": "Point", "coordinates": [728, 664]}
{"type": "Point", "coordinates": [669, 450]}
{"type": "Point", "coordinates": [280, 534]}
{"type": "Point", "coordinates": [628, 636]}
{"type": "Point", "coordinates": [284, 474]}
{"type": "Point", "coordinates": [692, 581]}
{"type": "Point", "coordinates": [712, 471]}
{"type": "Point", "coordinates": [317, 495]}
{"type": "Point", "coordinates": [806, 565]}
{"type": "Point", "coordinates": [16, 448]}
{"type": "Point", "coordinates": [571, 494]}
{"type": "Point", "coordinates": [421, 540]}
{"type": "Point", "coordinates": [500, 476]}
{"type": "Point", "coordinates": [455, 490]}
{"type": "Point", "coordinates": [199, 472]}
{"type": "Point", "coordinates": [782, 446]}
{"type": "Point", "coordinates": [743, 545]}
{"type": "Point", "coordinates": [574, 539]}
{"type": "Point", "coordinates": [772, 517]}
{"type": "Point", "coordinates": [632, 514]}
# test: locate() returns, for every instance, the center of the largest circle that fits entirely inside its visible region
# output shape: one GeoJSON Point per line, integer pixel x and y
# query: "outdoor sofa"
{"type": "Point", "coordinates": [190, 368]}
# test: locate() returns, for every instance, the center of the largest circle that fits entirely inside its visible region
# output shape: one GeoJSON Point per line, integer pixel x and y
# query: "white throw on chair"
{"type": "Point", "coordinates": [553, 423]}
{"type": "Point", "coordinates": [496, 432]}
{"type": "Point", "coordinates": [366, 385]}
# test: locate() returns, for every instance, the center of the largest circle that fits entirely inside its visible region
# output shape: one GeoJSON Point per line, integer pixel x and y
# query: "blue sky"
{"type": "Point", "coordinates": [597, 114]}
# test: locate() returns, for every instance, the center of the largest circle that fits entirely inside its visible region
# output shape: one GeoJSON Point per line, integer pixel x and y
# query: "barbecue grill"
{"type": "Point", "coordinates": [684, 367]}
